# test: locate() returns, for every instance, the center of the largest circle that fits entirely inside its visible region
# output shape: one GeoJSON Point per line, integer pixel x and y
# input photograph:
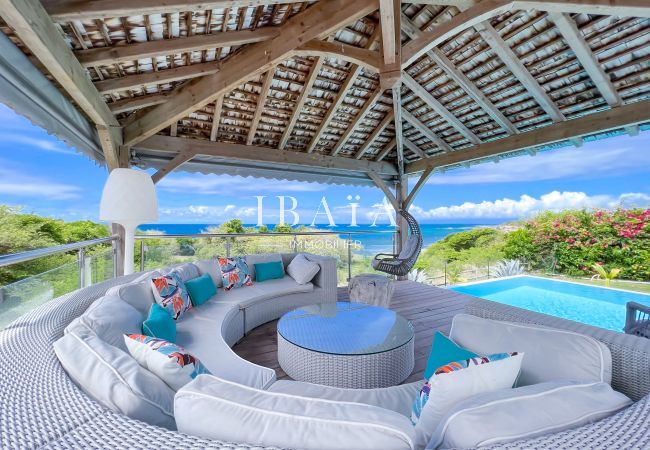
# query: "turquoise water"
{"type": "Point", "coordinates": [592, 305]}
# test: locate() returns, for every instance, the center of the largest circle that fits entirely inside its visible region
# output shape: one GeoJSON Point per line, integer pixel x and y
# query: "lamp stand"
{"type": "Point", "coordinates": [129, 244]}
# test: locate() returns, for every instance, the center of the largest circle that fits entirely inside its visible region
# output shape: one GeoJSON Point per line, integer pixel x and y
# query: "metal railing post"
{"type": "Point", "coordinates": [142, 250]}
{"type": "Point", "coordinates": [81, 263]}
{"type": "Point", "coordinates": [114, 247]}
{"type": "Point", "coordinates": [488, 269]}
{"type": "Point", "coordinates": [228, 244]}
{"type": "Point", "coordinates": [295, 244]}
{"type": "Point", "coordinates": [445, 273]}
{"type": "Point", "coordinates": [349, 256]}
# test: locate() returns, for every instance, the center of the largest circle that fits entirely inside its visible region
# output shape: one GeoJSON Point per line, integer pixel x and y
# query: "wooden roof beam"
{"type": "Point", "coordinates": [385, 189]}
{"type": "Point", "coordinates": [576, 41]}
{"type": "Point", "coordinates": [239, 152]}
{"type": "Point", "coordinates": [418, 187]}
{"type": "Point", "coordinates": [355, 71]}
{"type": "Point", "coordinates": [357, 120]}
{"type": "Point", "coordinates": [261, 101]}
{"type": "Point", "coordinates": [41, 36]}
{"type": "Point", "coordinates": [414, 148]}
{"type": "Point", "coordinates": [389, 31]}
{"type": "Point", "coordinates": [111, 55]}
{"type": "Point", "coordinates": [316, 22]}
{"type": "Point", "coordinates": [369, 60]}
{"type": "Point", "coordinates": [174, 163]}
{"type": "Point", "coordinates": [512, 62]}
{"type": "Point", "coordinates": [302, 98]}
{"type": "Point", "coordinates": [216, 118]}
{"type": "Point", "coordinates": [600, 122]}
{"type": "Point", "coordinates": [399, 139]}
{"type": "Point", "coordinates": [386, 150]}
{"type": "Point", "coordinates": [439, 57]}
{"type": "Point", "coordinates": [131, 104]}
{"type": "Point", "coordinates": [69, 10]}
{"type": "Point", "coordinates": [426, 132]}
{"type": "Point", "coordinates": [374, 135]}
{"type": "Point", "coordinates": [439, 108]}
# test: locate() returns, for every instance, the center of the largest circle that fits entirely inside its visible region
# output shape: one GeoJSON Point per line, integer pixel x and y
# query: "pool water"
{"type": "Point", "coordinates": [592, 305]}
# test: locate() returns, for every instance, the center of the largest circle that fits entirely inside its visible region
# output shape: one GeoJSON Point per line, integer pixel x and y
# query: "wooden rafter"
{"type": "Point", "coordinates": [581, 49]}
{"type": "Point", "coordinates": [418, 186]}
{"type": "Point", "coordinates": [261, 154]}
{"type": "Point", "coordinates": [355, 71]}
{"type": "Point", "coordinates": [384, 188]}
{"type": "Point", "coordinates": [359, 117]}
{"type": "Point", "coordinates": [302, 98]}
{"type": "Point", "coordinates": [315, 22]}
{"type": "Point", "coordinates": [36, 29]}
{"type": "Point", "coordinates": [216, 117]}
{"type": "Point", "coordinates": [414, 148]}
{"type": "Point", "coordinates": [266, 85]}
{"type": "Point", "coordinates": [439, 108]}
{"type": "Point", "coordinates": [104, 56]}
{"type": "Point", "coordinates": [397, 113]}
{"type": "Point", "coordinates": [389, 32]}
{"type": "Point", "coordinates": [173, 163]}
{"type": "Point", "coordinates": [426, 131]}
{"type": "Point", "coordinates": [439, 57]}
{"type": "Point", "coordinates": [600, 122]}
{"type": "Point", "coordinates": [512, 62]}
{"type": "Point", "coordinates": [386, 150]}
{"type": "Point", "coordinates": [374, 135]}
{"type": "Point", "coordinates": [369, 60]}
{"type": "Point", "coordinates": [131, 104]}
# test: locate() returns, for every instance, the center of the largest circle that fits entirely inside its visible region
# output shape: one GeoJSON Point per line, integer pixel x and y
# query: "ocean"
{"type": "Point", "coordinates": [372, 243]}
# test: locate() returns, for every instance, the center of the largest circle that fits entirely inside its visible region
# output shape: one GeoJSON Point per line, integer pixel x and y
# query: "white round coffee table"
{"type": "Point", "coordinates": [349, 345]}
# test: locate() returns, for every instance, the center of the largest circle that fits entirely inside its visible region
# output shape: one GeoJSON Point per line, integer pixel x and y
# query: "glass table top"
{"type": "Point", "coordinates": [345, 328]}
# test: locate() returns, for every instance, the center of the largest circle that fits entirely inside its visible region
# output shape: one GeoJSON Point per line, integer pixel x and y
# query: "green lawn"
{"type": "Point", "coordinates": [627, 285]}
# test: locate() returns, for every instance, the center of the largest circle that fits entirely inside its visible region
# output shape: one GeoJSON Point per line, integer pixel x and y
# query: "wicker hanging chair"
{"type": "Point", "coordinates": [400, 265]}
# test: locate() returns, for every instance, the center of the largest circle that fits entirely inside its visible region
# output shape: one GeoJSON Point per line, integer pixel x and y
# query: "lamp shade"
{"type": "Point", "coordinates": [129, 198]}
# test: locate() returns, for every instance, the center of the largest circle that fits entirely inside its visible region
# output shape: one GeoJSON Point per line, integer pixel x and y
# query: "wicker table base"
{"type": "Point", "coordinates": [375, 370]}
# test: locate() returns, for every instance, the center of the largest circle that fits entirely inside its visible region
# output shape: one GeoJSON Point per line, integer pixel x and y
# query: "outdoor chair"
{"type": "Point", "coordinates": [637, 320]}
{"type": "Point", "coordinates": [400, 265]}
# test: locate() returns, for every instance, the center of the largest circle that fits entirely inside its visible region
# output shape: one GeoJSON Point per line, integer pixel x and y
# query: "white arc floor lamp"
{"type": "Point", "coordinates": [129, 199]}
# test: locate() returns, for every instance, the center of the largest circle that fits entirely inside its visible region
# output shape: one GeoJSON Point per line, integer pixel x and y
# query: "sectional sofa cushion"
{"type": "Point", "coordinates": [214, 408]}
{"type": "Point", "coordinates": [551, 354]}
{"type": "Point", "coordinates": [159, 324]}
{"type": "Point", "coordinates": [262, 258]}
{"type": "Point", "coordinates": [458, 381]}
{"type": "Point", "coordinates": [115, 379]}
{"type": "Point", "coordinates": [137, 293]}
{"type": "Point", "coordinates": [443, 351]}
{"type": "Point", "coordinates": [110, 317]}
{"type": "Point", "coordinates": [210, 267]}
{"type": "Point", "coordinates": [201, 289]}
{"type": "Point", "coordinates": [170, 293]}
{"type": "Point", "coordinates": [302, 270]}
{"type": "Point", "coordinates": [170, 362]}
{"type": "Point", "coordinates": [187, 271]}
{"type": "Point", "coordinates": [524, 413]}
{"type": "Point", "coordinates": [235, 272]}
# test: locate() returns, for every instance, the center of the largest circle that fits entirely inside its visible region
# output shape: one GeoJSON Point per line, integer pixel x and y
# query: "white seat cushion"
{"type": "Point", "coordinates": [551, 354]}
{"type": "Point", "coordinates": [200, 333]}
{"type": "Point", "coordinates": [115, 379]}
{"type": "Point", "coordinates": [216, 409]}
{"type": "Point", "coordinates": [394, 398]}
{"type": "Point", "coordinates": [247, 295]}
{"type": "Point", "coordinates": [524, 413]}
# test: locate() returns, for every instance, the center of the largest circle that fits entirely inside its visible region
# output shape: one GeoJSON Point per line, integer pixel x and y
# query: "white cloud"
{"type": "Point", "coordinates": [205, 213]}
{"type": "Point", "coordinates": [227, 184]}
{"type": "Point", "coordinates": [12, 182]}
{"type": "Point", "coordinates": [527, 205]}
{"type": "Point", "coordinates": [594, 160]}
{"type": "Point", "coordinates": [48, 145]}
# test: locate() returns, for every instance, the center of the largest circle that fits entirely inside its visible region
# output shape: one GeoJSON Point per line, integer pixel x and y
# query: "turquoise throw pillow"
{"type": "Point", "coordinates": [444, 351]}
{"type": "Point", "coordinates": [159, 324]}
{"type": "Point", "coordinates": [269, 271]}
{"type": "Point", "coordinates": [201, 289]}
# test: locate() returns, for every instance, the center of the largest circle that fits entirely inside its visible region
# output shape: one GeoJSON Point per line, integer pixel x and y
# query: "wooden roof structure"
{"type": "Point", "coordinates": [336, 90]}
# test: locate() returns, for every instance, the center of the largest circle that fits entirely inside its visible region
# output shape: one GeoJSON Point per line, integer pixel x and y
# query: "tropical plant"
{"type": "Point", "coordinates": [419, 276]}
{"type": "Point", "coordinates": [508, 268]}
{"type": "Point", "coordinates": [608, 276]}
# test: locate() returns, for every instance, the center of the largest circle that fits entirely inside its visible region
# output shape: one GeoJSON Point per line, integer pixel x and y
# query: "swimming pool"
{"type": "Point", "coordinates": [592, 305]}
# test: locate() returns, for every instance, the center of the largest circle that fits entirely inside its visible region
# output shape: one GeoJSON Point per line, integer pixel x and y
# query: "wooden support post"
{"type": "Point", "coordinates": [118, 230]}
{"type": "Point", "coordinates": [401, 191]}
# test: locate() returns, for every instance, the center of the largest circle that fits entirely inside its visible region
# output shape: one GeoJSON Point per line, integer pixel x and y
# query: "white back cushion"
{"type": "Point", "coordinates": [110, 318]}
{"type": "Point", "coordinates": [251, 260]}
{"type": "Point", "coordinates": [187, 271]}
{"type": "Point", "coordinates": [302, 270]}
{"type": "Point", "coordinates": [217, 409]}
{"type": "Point", "coordinates": [210, 267]}
{"type": "Point", "coordinates": [115, 380]}
{"type": "Point", "coordinates": [447, 389]}
{"type": "Point", "coordinates": [136, 294]}
{"type": "Point", "coordinates": [551, 354]}
{"type": "Point", "coordinates": [524, 413]}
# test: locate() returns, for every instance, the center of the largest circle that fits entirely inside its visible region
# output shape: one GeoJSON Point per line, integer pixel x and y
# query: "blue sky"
{"type": "Point", "coordinates": [45, 176]}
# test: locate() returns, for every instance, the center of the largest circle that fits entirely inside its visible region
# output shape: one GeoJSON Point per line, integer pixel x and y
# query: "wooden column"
{"type": "Point", "coordinates": [401, 194]}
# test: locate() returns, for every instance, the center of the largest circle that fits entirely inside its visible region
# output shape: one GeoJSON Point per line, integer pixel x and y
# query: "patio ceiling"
{"type": "Point", "coordinates": [340, 91]}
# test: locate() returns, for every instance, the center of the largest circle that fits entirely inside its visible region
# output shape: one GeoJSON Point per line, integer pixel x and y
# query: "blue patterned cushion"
{"type": "Point", "coordinates": [235, 272]}
{"type": "Point", "coordinates": [170, 362]}
{"type": "Point", "coordinates": [423, 396]}
{"type": "Point", "coordinates": [171, 294]}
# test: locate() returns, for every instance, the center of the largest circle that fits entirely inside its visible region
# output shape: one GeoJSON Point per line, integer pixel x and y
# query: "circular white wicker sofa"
{"type": "Point", "coordinates": [41, 407]}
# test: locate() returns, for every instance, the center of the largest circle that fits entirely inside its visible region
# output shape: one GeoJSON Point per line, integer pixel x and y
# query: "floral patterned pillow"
{"type": "Point", "coordinates": [170, 293]}
{"type": "Point", "coordinates": [170, 362]}
{"type": "Point", "coordinates": [235, 272]}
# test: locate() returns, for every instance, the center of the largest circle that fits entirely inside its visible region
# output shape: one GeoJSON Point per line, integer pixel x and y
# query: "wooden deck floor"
{"type": "Point", "coordinates": [428, 308]}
